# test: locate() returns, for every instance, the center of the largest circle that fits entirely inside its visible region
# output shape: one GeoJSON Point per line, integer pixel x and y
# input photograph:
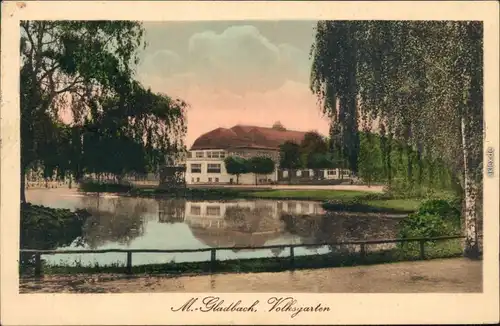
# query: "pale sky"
{"type": "Point", "coordinates": [247, 72]}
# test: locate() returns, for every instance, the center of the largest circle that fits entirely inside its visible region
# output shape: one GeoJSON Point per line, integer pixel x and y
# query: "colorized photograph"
{"type": "Point", "coordinates": [337, 156]}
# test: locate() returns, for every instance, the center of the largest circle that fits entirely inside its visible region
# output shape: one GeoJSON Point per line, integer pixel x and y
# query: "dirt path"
{"type": "Point", "coordinates": [447, 275]}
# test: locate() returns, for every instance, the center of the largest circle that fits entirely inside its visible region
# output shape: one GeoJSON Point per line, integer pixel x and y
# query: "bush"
{"type": "Point", "coordinates": [93, 186]}
{"type": "Point", "coordinates": [49, 228]}
{"type": "Point", "coordinates": [434, 218]}
{"type": "Point", "coordinates": [446, 210]}
{"type": "Point", "coordinates": [426, 225]}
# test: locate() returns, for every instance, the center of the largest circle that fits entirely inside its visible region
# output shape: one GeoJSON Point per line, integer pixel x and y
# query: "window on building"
{"type": "Point", "coordinates": [346, 172]}
{"type": "Point", "coordinates": [196, 168]}
{"type": "Point", "coordinates": [199, 154]}
{"type": "Point", "coordinates": [209, 179]}
{"type": "Point", "coordinates": [213, 210]}
{"type": "Point", "coordinates": [332, 172]}
{"type": "Point", "coordinates": [195, 210]}
{"type": "Point", "coordinates": [280, 207]}
{"type": "Point", "coordinates": [213, 168]}
{"type": "Point", "coordinates": [285, 174]}
{"type": "Point", "coordinates": [216, 179]}
{"type": "Point", "coordinates": [197, 179]}
{"type": "Point", "coordinates": [292, 207]}
{"type": "Point", "coordinates": [216, 154]}
{"type": "Point", "coordinates": [304, 208]}
{"type": "Point", "coordinates": [189, 155]}
{"type": "Point", "coordinates": [192, 180]}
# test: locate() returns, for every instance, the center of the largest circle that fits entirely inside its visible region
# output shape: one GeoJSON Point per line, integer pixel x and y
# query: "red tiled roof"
{"type": "Point", "coordinates": [242, 136]}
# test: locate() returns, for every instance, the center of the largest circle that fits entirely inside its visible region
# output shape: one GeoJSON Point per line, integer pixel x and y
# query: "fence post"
{"type": "Point", "coordinates": [213, 259]}
{"type": "Point", "coordinates": [38, 264]}
{"type": "Point", "coordinates": [362, 251]}
{"type": "Point", "coordinates": [422, 249]}
{"type": "Point", "coordinates": [129, 262]}
{"type": "Point", "coordinates": [292, 257]}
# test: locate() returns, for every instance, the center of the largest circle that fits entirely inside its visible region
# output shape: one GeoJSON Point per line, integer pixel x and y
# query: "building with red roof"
{"type": "Point", "coordinates": [205, 160]}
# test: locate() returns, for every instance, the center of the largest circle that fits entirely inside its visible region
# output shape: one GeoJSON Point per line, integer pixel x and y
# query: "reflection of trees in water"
{"type": "Point", "coordinates": [338, 227]}
{"type": "Point", "coordinates": [171, 210]}
{"type": "Point", "coordinates": [114, 220]}
{"type": "Point", "coordinates": [251, 220]}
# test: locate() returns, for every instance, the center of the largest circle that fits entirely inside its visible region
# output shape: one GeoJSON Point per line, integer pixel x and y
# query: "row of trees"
{"type": "Point", "coordinates": [312, 153]}
{"type": "Point", "coordinates": [399, 168]}
{"type": "Point", "coordinates": [82, 111]}
{"type": "Point", "coordinates": [421, 84]}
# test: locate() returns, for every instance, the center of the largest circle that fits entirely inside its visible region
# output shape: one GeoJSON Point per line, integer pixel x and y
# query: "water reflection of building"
{"type": "Point", "coordinates": [207, 213]}
{"type": "Point", "coordinates": [241, 223]}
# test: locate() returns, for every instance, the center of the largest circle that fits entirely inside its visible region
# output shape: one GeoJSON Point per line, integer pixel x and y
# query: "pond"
{"type": "Point", "coordinates": [145, 223]}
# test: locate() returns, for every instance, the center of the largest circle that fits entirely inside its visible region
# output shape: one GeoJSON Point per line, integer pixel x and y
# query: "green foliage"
{"type": "Point", "coordinates": [290, 156]}
{"type": "Point", "coordinates": [443, 208]}
{"type": "Point", "coordinates": [260, 165]}
{"type": "Point", "coordinates": [370, 158]}
{"type": "Point", "coordinates": [49, 228]}
{"type": "Point", "coordinates": [83, 71]}
{"type": "Point", "coordinates": [418, 225]}
{"type": "Point", "coordinates": [93, 186]}
{"type": "Point", "coordinates": [236, 165]}
{"type": "Point", "coordinates": [434, 218]}
{"type": "Point", "coordinates": [421, 83]}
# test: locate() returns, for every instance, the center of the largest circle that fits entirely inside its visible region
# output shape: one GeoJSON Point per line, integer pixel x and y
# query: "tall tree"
{"type": "Point", "coordinates": [236, 165]}
{"type": "Point", "coordinates": [77, 71]}
{"type": "Point", "coordinates": [423, 81]}
{"type": "Point", "coordinates": [289, 157]}
{"type": "Point", "coordinates": [260, 165]}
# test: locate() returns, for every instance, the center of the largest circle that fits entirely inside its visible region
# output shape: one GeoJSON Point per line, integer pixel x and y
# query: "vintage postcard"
{"type": "Point", "coordinates": [279, 162]}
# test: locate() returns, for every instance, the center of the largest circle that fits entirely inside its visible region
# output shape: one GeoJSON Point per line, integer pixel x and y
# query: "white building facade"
{"type": "Point", "coordinates": [206, 166]}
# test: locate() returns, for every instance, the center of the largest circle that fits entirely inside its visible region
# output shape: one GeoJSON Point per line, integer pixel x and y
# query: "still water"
{"type": "Point", "coordinates": [140, 223]}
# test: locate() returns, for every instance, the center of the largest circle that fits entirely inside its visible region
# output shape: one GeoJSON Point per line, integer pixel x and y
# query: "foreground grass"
{"type": "Point", "coordinates": [442, 249]}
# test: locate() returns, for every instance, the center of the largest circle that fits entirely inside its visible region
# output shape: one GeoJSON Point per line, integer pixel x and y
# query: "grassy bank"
{"type": "Point", "coordinates": [443, 249]}
{"type": "Point", "coordinates": [341, 200]}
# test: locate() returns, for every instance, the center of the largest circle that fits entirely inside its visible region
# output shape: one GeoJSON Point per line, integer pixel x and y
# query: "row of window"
{"type": "Point", "coordinates": [334, 172]}
{"type": "Point", "coordinates": [211, 168]}
{"type": "Point", "coordinates": [210, 154]}
{"type": "Point", "coordinates": [211, 210]}
{"type": "Point", "coordinates": [216, 180]}
{"type": "Point", "coordinates": [292, 208]}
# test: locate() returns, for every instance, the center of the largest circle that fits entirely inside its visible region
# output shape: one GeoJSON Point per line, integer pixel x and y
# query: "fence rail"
{"type": "Point", "coordinates": [213, 251]}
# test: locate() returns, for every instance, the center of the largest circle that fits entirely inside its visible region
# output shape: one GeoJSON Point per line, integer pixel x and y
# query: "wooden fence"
{"type": "Point", "coordinates": [213, 251]}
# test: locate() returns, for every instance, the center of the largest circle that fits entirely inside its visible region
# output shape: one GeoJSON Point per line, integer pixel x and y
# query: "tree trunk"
{"type": "Point", "coordinates": [471, 249]}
